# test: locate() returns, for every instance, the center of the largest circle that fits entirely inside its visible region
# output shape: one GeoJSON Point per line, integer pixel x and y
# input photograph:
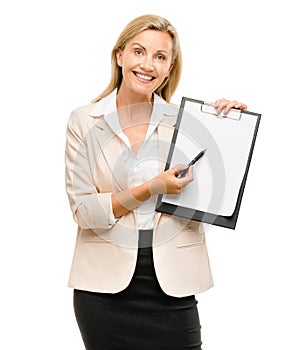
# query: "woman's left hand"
{"type": "Point", "coordinates": [227, 105]}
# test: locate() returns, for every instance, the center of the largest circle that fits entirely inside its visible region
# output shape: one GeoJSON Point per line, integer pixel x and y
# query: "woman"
{"type": "Point", "coordinates": [134, 271]}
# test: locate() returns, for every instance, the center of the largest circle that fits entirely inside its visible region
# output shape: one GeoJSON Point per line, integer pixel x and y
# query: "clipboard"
{"type": "Point", "coordinates": [215, 195]}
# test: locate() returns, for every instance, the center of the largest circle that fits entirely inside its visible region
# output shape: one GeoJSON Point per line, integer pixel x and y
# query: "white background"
{"type": "Point", "coordinates": [56, 57]}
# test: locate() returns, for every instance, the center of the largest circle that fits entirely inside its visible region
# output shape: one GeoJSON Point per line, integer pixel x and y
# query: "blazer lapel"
{"type": "Point", "coordinates": [111, 150]}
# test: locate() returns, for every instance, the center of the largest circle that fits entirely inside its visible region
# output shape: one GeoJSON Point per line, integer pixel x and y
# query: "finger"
{"type": "Point", "coordinates": [189, 174]}
{"type": "Point", "coordinates": [235, 104]}
{"type": "Point", "coordinates": [229, 106]}
{"type": "Point", "coordinates": [188, 177]}
{"type": "Point", "coordinates": [179, 167]}
{"type": "Point", "coordinates": [221, 105]}
{"type": "Point", "coordinates": [219, 101]}
{"type": "Point", "coordinates": [241, 105]}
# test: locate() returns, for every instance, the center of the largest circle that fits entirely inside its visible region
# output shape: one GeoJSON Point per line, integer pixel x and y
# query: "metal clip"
{"type": "Point", "coordinates": [209, 108]}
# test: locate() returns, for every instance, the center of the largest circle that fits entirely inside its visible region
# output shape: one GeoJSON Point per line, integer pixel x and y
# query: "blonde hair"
{"type": "Point", "coordinates": [136, 26]}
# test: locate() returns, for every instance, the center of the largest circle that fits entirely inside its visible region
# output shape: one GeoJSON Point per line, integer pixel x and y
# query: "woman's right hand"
{"type": "Point", "coordinates": [168, 182]}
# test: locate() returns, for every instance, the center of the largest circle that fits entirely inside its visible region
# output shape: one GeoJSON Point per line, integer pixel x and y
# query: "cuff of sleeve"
{"type": "Point", "coordinates": [111, 218]}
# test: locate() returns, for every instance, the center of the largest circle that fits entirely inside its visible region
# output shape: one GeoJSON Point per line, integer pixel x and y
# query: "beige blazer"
{"type": "Point", "coordinates": [105, 255]}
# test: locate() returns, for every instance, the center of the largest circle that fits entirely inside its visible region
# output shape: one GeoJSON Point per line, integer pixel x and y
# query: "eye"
{"type": "Point", "coordinates": [138, 52]}
{"type": "Point", "coordinates": [160, 57]}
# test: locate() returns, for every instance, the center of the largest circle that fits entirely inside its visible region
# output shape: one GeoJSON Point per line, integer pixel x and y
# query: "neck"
{"type": "Point", "coordinates": [133, 107]}
{"type": "Point", "coordinates": [126, 98]}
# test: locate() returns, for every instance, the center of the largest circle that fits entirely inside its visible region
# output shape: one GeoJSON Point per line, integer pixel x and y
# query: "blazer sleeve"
{"type": "Point", "coordinates": [90, 208]}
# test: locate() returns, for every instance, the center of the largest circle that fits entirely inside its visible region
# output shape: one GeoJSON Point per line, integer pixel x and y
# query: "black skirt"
{"type": "Point", "coordinates": [141, 317]}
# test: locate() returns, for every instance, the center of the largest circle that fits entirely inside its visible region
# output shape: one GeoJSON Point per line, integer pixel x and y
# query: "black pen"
{"type": "Point", "coordinates": [193, 161]}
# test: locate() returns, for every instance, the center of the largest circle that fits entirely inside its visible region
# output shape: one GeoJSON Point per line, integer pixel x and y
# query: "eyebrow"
{"type": "Point", "coordinates": [168, 53]}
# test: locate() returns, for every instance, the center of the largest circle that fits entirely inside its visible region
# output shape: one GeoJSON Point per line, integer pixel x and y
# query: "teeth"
{"type": "Point", "coordinates": [144, 77]}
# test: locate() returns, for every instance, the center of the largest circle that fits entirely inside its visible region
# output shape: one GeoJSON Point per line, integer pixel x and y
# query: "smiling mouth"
{"type": "Point", "coordinates": [144, 77]}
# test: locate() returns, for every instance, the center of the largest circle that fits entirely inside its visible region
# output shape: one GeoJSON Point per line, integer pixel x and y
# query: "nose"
{"type": "Point", "coordinates": [147, 63]}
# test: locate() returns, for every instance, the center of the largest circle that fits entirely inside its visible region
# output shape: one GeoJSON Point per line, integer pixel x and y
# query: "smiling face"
{"type": "Point", "coordinates": [146, 62]}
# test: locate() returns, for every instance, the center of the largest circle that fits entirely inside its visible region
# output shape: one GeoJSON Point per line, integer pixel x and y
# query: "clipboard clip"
{"type": "Point", "coordinates": [209, 108]}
